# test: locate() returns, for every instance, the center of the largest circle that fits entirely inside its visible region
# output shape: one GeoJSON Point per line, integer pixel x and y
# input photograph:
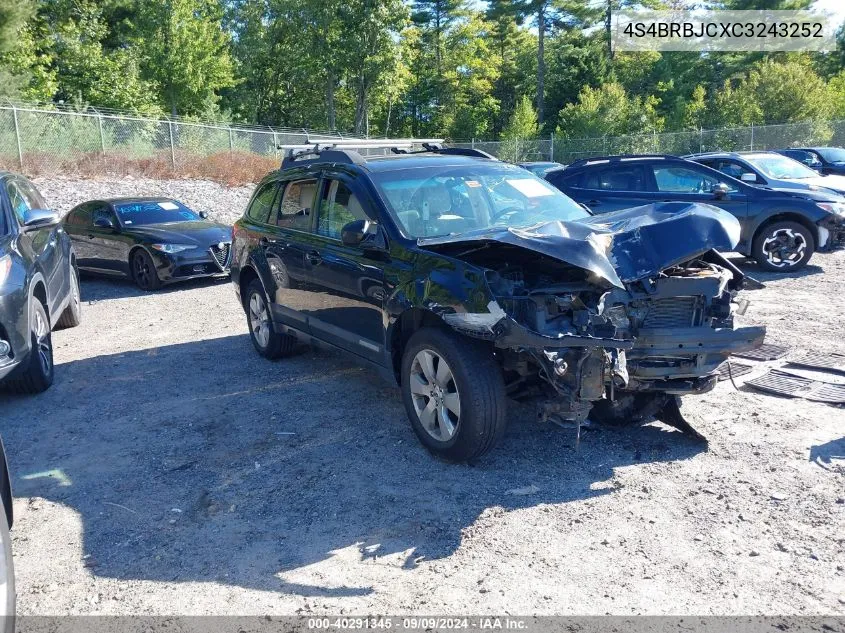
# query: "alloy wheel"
{"type": "Point", "coordinates": [435, 396]}
{"type": "Point", "coordinates": [259, 320]}
{"type": "Point", "coordinates": [142, 271]}
{"type": "Point", "coordinates": [784, 248]}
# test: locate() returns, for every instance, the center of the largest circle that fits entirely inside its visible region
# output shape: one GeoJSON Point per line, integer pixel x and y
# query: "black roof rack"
{"type": "Point", "coordinates": [438, 148]}
{"type": "Point", "coordinates": [619, 158]}
{"type": "Point", "coordinates": [342, 151]}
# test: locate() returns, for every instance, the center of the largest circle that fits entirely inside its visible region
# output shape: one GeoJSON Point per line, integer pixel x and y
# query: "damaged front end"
{"type": "Point", "coordinates": [606, 319]}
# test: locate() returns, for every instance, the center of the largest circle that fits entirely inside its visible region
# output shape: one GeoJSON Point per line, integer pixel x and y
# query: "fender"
{"type": "Point", "coordinates": [810, 214]}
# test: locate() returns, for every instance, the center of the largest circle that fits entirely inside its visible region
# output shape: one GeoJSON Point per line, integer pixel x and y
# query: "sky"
{"type": "Point", "coordinates": [835, 8]}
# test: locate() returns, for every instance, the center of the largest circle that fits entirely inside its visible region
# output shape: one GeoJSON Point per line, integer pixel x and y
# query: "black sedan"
{"type": "Point", "coordinates": [153, 241]}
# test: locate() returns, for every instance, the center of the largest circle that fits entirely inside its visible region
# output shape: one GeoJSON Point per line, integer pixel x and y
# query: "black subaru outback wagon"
{"type": "Point", "coordinates": [468, 280]}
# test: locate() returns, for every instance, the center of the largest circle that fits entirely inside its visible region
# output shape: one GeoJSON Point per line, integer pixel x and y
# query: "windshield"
{"type": "Point", "coordinates": [781, 167]}
{"type": "Point", "coordinates": [154, 212]}
{"type": "Point", "coordinates": [448, 200]}
{"type": "Point", "coordinates": [832, 154]}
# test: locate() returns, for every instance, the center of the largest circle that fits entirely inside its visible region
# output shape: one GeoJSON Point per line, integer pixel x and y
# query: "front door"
{"type": "Point", "coordinates": [682, 183]}
{"type": "Point", "coordinates": [346, 281]}
{"type": "Point", "coordinates": [42, 244]}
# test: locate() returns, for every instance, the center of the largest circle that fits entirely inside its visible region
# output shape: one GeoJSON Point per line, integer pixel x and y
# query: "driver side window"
{"type": "Point", "coordinates": [676, 179]}
{"type": "Point", "coordinates": [102, 213]}
{"type": "Point", "coordinates": [19, 201]}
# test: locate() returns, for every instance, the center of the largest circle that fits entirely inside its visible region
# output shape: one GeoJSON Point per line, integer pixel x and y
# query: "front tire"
{"type": "Point", "coordinates": [267, 342]}
{"type": "Point", "coordinates": [454, 394]}
{"type": "Point", "coordinates": [783, 247]}
{"type": "Point", "coordinates": [37, 374]}
{"type": "Point", "coordinates": [144, 271]}
{"type": "Point", "coordinates": [72, 316]}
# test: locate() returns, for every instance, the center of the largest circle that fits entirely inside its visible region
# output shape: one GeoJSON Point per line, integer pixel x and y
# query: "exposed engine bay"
{"type": "Point", "coordinates": [581, 344]}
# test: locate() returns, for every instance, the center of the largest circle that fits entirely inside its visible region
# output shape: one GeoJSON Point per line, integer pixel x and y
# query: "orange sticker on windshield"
{"type": "Point", "coordinates": [473, 183]}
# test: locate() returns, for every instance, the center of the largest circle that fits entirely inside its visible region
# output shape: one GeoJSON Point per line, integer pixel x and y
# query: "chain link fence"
{"type": "Point", "coordinates": [41, 140]}
{"type": "Point", "coordinates": [60, 140]}
{"type": "Point", "coordinates": [762, 137]}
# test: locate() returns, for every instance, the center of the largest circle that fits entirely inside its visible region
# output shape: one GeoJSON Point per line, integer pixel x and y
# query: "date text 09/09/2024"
{"type": "Point", "coordinates": [418, 623]}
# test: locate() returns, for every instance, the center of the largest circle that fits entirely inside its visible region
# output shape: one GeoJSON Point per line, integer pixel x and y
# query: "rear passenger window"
{"type": "Point", "coordinates": [339, 207]}
{"type": "Point", "coordinates": [297, 202]}
{"type": "Point", "coordinates": [617, 178]}
{"type": "Point", "coordinates": [259, 209]}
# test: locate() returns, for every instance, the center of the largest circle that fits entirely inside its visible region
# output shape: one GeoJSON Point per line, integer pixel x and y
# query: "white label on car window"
{"type": "Point", "coordinates": [127, 221]}
{"type": "Point", "coordinates": [169, 206]}
{"type": "Point", "coordinates": [530, 188]}
{"type": "Point", "coordinates": [473, 183]}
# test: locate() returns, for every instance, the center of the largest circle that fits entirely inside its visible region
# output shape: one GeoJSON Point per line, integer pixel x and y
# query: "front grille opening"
{"type": "Point", "coordinates": [221, 255]}
{"type": "Point", "coordinates": [674, 312]}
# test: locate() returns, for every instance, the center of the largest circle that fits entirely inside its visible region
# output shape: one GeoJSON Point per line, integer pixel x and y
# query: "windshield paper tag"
{"type": "Point", "coordinates": [530, 188]}
{"type": "Point", "coordinates": [473, 183]}
{"type": "Point", "coordinates": [169, 206]}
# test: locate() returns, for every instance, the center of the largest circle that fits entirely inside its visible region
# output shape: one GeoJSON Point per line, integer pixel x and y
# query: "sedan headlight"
{"type": "Point", "coordinates": [837, 208]}
{"type": "Point", "coordinates": [173, 248]}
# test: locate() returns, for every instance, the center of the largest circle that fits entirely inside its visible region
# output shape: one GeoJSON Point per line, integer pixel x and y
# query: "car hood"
{"type": "Point", "coordinates": [622, 246]}
{"type": "Point", "coordinates": [203, 234]}
{"type": "Point", "coordinates": [833, 182]}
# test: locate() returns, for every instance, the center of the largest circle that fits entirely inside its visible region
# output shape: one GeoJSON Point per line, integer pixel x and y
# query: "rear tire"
{"type": "Point", "coordinates": [454, 394]}
{"type": "Point", "coordinates": [783, 247]}
{"type": "Point", "coordinates": [267, 342]}
{"type": "Point", "coordinates": [37, 372]}
{"type": "Point", "coordinates": [72, 316]}
{"type": "Point", "coordinates": [144, 271]}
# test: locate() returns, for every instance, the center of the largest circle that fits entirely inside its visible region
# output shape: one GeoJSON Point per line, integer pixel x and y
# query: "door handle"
{"type": "Point", "coordinates": [313, 258]}
{"type": "Point", "coordinates": [266, 241]}
{"type": "Point", "coordinates": [594, 203]}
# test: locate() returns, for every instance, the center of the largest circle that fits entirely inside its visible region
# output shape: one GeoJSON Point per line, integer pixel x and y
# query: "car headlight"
{"type": "Point", "coordinates": [5, 268]}
{"type": "Point", "coordinates": [837, 208]}
{"type": "Point", "coordinates": [173, 248]}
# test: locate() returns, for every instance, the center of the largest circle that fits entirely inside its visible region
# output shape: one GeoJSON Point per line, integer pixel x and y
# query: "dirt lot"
{"type": "Point", "coordinates": [170, 470]}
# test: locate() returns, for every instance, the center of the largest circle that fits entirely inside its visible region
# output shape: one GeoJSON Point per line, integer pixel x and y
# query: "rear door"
{"type": "Point", "coordinates": [612, 187]}
{"type": "Point", "coordinates": [346, 282]}
{"type": "Point", "coordinates": [283, 239]}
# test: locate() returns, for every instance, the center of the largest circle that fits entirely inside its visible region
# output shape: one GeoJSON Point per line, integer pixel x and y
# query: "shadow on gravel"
{"type": "Point", "coordinates": [184, 469]}
{"type": "Point", "coordinates": [827, 454]}
{"type": "Point", "coordinates": [100, 288]}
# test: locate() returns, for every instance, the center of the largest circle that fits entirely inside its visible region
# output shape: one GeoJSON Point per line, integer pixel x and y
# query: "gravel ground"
{"type": "Point", "coordinates": [170, 470]}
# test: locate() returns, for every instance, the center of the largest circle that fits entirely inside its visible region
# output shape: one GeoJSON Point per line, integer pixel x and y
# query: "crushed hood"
{"type": "Point", "coordinates": [622, 246]}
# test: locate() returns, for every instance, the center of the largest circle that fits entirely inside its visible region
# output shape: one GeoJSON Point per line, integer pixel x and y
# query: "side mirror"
{"type": "Point", "coordinates": [720, 191]}
{"type": "Point", "coordinates": [40, 219]}
{"type": "Point", "coordinates": [104, 223]}
{"type": "Point", "coordinates": [748, 177]}
{"type": "Point", "coordinates": [203, 215]}
{"type": "Point", "coordinates": [353, 233]}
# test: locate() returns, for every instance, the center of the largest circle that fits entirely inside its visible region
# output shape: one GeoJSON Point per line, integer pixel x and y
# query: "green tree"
{"type": "Point", "coordinates": [520, 130]}
{"type": "Point", "coordinates": [185, 51]}
{"type": "Point", "coordinates": [609, 111]}
{"type": "Point", "coordinates": [14, 15]}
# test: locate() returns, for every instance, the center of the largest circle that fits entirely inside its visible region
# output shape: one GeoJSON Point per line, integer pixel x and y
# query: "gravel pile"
{"type": "Point", "coordinates": [222, 203]}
